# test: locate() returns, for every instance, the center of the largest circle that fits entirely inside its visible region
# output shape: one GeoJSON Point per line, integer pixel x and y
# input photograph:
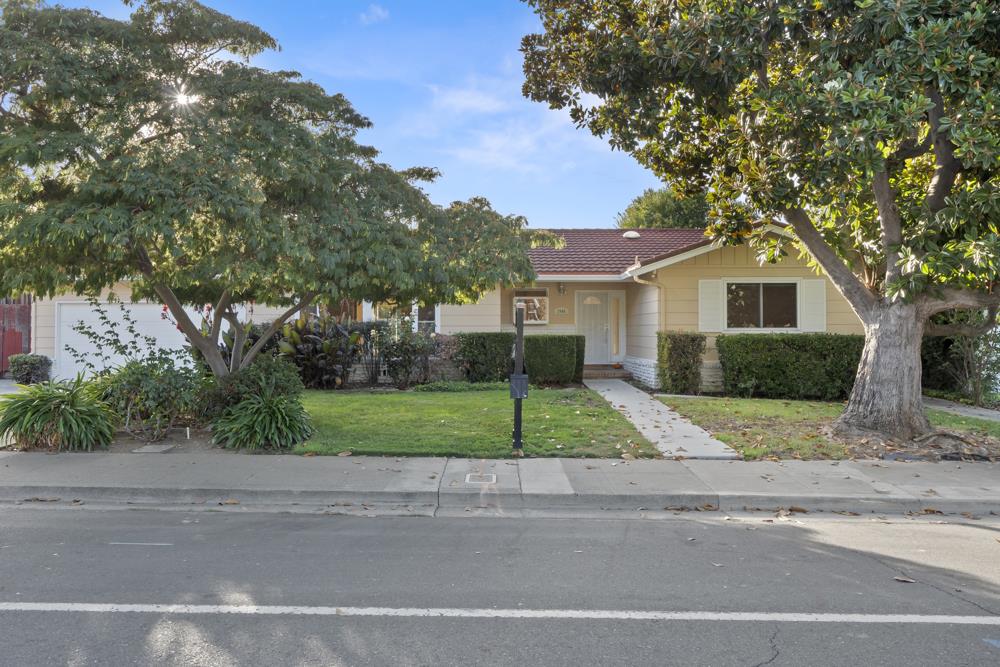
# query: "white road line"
{"type": "Point", "coordinates": [568, 614]}
{"type": "Point", "coordinates": [141, 544]}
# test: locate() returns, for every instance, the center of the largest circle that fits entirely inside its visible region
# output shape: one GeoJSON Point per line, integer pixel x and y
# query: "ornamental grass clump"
{"type": "Point", "coordinates": [263, 421]}
{"type": "Point", "coordinates": [60, 415]}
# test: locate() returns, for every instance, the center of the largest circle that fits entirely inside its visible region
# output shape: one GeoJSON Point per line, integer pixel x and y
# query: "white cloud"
{"type": "Point", "coordinates": [535, 141]}
{"type": "Point", "coordinates": [374, 14]}
{"type": "Point", "coordinates": [469, 100]}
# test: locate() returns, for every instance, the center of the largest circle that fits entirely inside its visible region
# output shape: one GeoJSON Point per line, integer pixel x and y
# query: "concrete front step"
{"type": "Point", "coordinates": [600, 372]}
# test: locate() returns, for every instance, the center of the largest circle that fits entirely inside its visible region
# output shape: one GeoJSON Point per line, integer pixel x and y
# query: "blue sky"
{"type": "Point", "coordinates": [440, 80]}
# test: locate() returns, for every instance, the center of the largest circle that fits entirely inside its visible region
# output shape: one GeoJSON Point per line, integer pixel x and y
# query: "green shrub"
{"type": "Point", "coordinates": [61, 415]}
{"type": "Point", "coordinates": [678, 357]}
{"type": "Point", "coordinates": [266, 374]}
{"type": "Point", "coordinates": [151, 396]}
{"type": "Point", "coordinates": [29, 368]}
{"type": "Point", "coordinates": [458, 385]}
{"type": "Point", "coordinates": [797, 366]}
{"type": "Point", "coordinates": [485, 356]}
{"type": "Point", "coordinates": [550, 359]}
{"type": "Point", "coordinates": [581, 351]}
{"type": "Point", "coordinates": [322, 349]}
{"type": "Point", "coordinates": [404, 351]}
{"type": "Point", "coordinates": [265, 421]}
{"type": "Point", "coordinates": [369, 348]}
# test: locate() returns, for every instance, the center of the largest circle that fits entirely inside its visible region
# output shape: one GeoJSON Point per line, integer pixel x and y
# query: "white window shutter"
{"type": "Point", "coordinates": [812, 305]}
{"type": "Point", "coordinates": [711, 305]}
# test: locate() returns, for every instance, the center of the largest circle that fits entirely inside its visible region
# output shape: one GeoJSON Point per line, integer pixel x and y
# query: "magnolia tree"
{"type": "Point", "coordinates": [870, 127]}
{"type": "Point", "coordinates": [152, 151]}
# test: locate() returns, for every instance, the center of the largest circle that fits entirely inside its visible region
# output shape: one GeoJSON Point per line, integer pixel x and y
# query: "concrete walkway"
{"type": "Point", "coordinates": [961, 409]}
{"type": "Point", "coordinates": [527, 487]}
{"type": "Point", "coordinates": [672, 434]}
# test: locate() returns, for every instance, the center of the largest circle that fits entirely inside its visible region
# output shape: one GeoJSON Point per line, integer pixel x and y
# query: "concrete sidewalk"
{"type": "Point", "coordinates": [529, 487]}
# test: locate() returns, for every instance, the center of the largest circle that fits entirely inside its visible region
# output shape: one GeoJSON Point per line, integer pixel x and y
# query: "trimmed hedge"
{"type": "Point", "coordinates": [485, 356]}
{"type": "Point", "coordinates": [796, 366]}
{"type": "Point", "coordinates": [29, 368]}
{"type": "Point", "coordinates": [678, 357]}
{"type": "Point", "coordinates": [549, 359]}
{"type": "Point", "coordinates": [581, 349]}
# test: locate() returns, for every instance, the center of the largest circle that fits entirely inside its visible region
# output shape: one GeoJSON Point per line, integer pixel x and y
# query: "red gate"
{"type": "Point", "coordinates": [15, 328]}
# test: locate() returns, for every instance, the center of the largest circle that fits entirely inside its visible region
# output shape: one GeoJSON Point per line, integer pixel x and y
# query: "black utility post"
{"type": "Point", "coordinates": [518, 379]}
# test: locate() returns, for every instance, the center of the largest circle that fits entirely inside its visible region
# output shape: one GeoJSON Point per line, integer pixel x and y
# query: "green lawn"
{"type": "Point", "coordinates": [762, 428]}
{"type": "Point", "coordinates": [557, 422]}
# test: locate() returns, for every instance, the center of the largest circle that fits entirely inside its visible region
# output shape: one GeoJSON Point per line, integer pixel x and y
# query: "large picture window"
{"type": "Point", "coordinates": [536, 305]}
{"type": "Point", "coordinates": [761, 305]}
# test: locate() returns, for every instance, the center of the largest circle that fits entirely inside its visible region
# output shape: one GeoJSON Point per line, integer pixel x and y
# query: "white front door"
{"type": "Point", "coordinates": [592, 321]}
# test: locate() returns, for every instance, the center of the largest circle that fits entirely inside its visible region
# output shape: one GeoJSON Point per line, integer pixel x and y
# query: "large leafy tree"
{"type": "Point", "coordinates": [871, 127]}
{"type": "Point", "coordinates": [663, 208]}
{"type": "Point", "coordinates": [152, 151]}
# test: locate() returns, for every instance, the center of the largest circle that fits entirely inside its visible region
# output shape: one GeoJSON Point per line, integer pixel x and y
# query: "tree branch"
{"type": "Point", "coordinates": [953, 298]}
{"type": "Point", "coordinates": [947, 165]}
{"type": "Point", "coordinates": [892, 225]}
{"type": "Point", "coordinates": [274, 326]}
{"type": "Point", "coordinates": [862, 299]}
{"type": "Point", "coordinates": [970, 330]}
{"type": "Point", "coordinates": [217, 316]}
{"type": "Point", "coordinates": [239, 339]}
{"type": "Point", "coordinates": [189, 329]}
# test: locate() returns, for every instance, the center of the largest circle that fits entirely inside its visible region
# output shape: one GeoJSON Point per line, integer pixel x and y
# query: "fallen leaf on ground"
{"type": "Point", "coordinates": [846, 513]}
{"type": "Point", "coordinates": [309, 454]}
{"type": "Point", "coordinates": [798, 510]}
{"type": "Point", "coordinates": [346, 453]}
{"type": "Point", "coordinates": [905, 580]}
{"type": "Point", "coordinates": [230, 501]}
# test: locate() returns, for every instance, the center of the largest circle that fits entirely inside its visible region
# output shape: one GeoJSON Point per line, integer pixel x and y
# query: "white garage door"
{"type": "Point", "coordinates": [148, 322]}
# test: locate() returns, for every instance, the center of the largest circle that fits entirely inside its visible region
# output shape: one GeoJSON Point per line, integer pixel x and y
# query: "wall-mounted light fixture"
{"type": "Point", "coordinates": [562, 288]}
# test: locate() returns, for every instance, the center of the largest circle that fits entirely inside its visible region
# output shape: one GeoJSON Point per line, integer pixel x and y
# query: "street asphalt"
{"type": "Point", "coordinates": [288, 589]}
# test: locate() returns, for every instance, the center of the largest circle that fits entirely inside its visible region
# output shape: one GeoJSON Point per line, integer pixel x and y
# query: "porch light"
{"type": "Point", "coordinates": [561, 288]}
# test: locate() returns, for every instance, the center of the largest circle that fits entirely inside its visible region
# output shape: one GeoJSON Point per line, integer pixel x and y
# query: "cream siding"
{"type": "Point", "coordinates": [481, 316]}
{"type": "Point", "coordinates": [643, 320]}
{"type": "Point", "coordinates": [680, 293]}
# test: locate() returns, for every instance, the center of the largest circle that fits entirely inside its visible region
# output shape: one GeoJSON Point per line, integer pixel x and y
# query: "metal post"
{"type": "Point", "coordinates": [518, 441]}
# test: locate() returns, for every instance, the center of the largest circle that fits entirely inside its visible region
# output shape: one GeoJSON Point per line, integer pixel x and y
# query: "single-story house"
{"type": "Point", "coordinates": [620, 287]}
{"type": "Point", "coordinates": [617, 288]}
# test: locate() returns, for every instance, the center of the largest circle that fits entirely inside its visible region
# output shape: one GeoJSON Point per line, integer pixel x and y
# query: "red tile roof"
{"type": "Point", "coordinates": [606, 251]}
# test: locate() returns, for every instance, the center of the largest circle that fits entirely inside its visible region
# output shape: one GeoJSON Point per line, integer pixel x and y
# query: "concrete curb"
{"type": "Point", "coordinates": [490, 504]}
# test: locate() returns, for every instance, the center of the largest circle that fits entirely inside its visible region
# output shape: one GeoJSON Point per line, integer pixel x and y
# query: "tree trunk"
{"type": "Point", "coordinates": [887, 398]}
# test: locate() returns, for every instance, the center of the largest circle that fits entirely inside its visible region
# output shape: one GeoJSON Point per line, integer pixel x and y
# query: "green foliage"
{"type": "Point", "coordinates": [551, 359]}
{"type": "Point", "coordinates": [130, 151]}
{"type": "Point", "coordinates": [485, 356]}
{"type": "Point", "coordinates": [56, 415]}
{"type": "Point", "coordinates": [664, 208]}
{"type": "Point", "coordinates": [151, 396]}
{"type": "Point", "coordinates": [263, 421]}
{"type": "Point", "coordinates": [369, 349]}
{"type": "Point", "coordinates": [322, 349]}
{"type": "Point", "coordinates": [452, 386]}
{"type": "Point", "coordinates": [581, 350]}
{"type": "Point", "coordinates": [678, 356]}
{"type": "Point", "coordinates": [116, 340]}
{"type": "Point", "coordinates": [404, 351]}
{"type": "Point", "coordinates": [796, 366]}
{"type": "Point", "coordinates": [29, 368]}
{"type": "Point", "coordinates": [266, 374]}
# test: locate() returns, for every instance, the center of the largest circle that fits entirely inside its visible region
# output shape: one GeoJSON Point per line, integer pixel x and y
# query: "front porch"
{"type": "Point", "coordinates": [619, 319]}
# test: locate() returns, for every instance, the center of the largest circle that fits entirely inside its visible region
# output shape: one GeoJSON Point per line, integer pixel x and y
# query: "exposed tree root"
{"type": "Point", "coordinates": [934, 445]}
